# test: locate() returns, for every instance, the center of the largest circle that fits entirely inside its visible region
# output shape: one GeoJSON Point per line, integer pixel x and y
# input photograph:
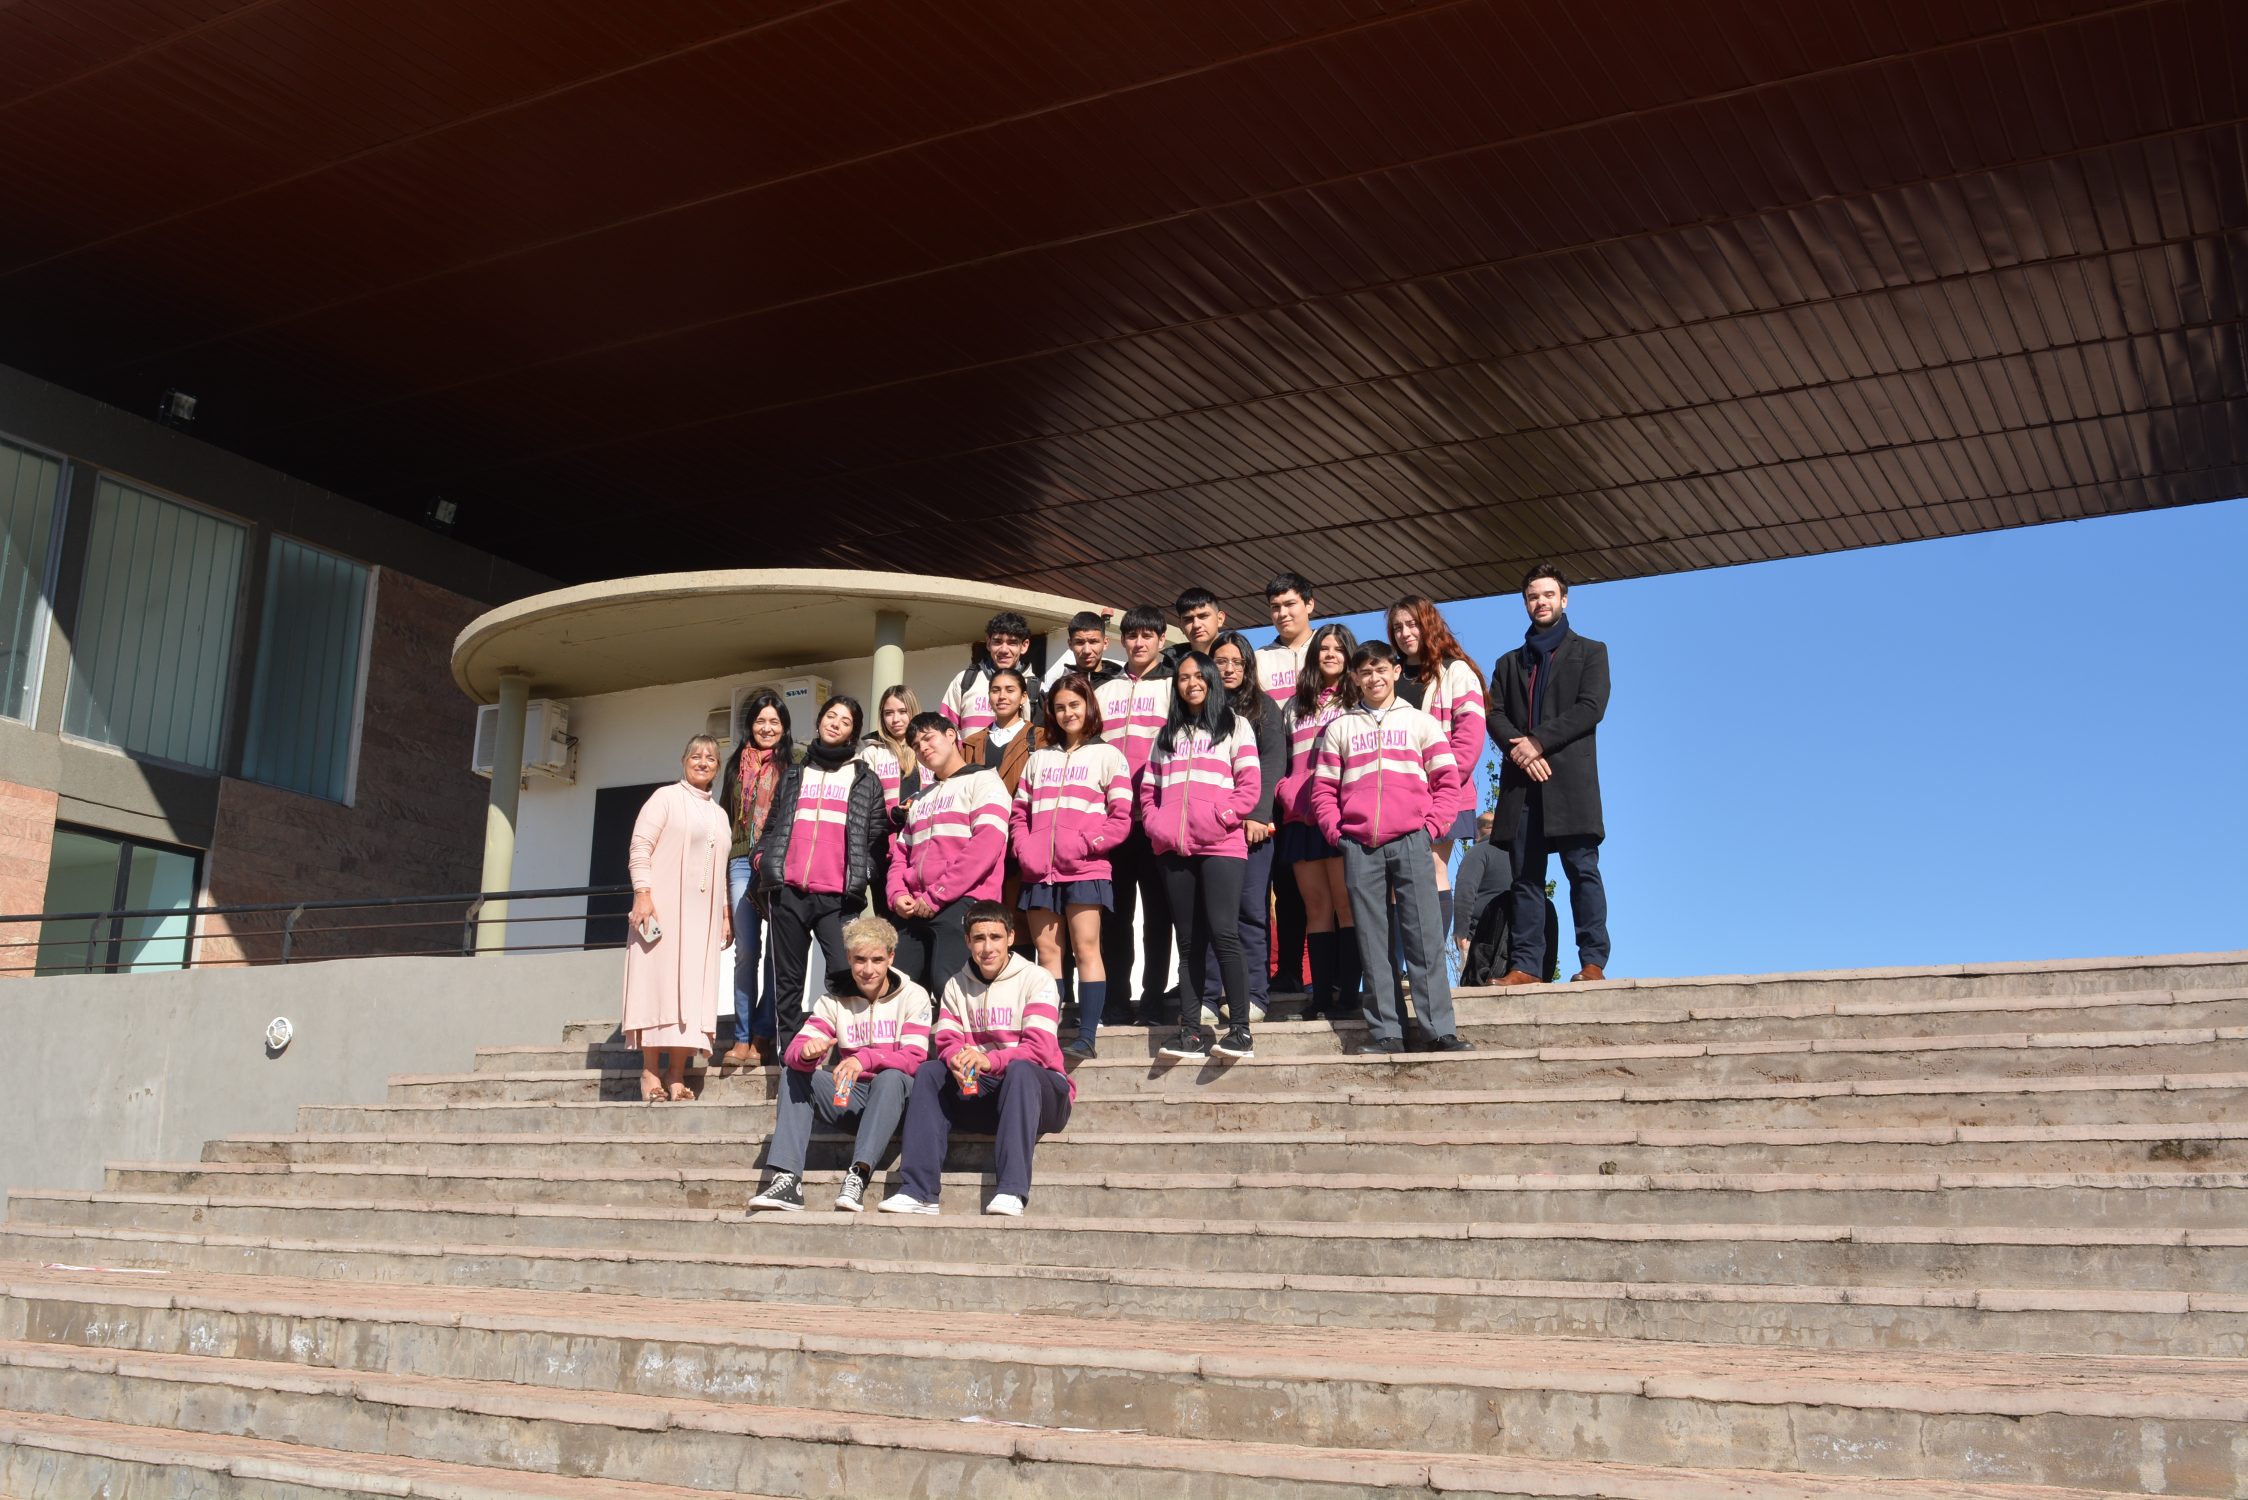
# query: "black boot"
{"type": "Point", "coordinates": [1321, 948]}
{"type": "Point", "coordinates": [1348, 970]}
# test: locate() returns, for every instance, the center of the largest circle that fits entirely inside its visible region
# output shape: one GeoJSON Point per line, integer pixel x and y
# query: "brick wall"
{"type": "Point", "coordinates": [417, 823]}
{"type": "Point", "coordinates": [27, 836]}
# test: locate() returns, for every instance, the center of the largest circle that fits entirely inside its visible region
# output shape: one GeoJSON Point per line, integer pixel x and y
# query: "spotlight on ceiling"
{"type": "Point", "coordinates": [178, 409]}
{"type": "Point", "coordinates": [441, 513]}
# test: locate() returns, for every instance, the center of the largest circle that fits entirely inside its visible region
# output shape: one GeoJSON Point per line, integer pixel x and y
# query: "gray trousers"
{"type": "Point", "coordinates": [1402, 866]}
{"type": "Point", "coordinates": [877, 1103]}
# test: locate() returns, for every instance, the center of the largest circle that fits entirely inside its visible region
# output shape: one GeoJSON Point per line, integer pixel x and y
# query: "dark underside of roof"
{"type": "Point", "coordinates": [1106, 298]}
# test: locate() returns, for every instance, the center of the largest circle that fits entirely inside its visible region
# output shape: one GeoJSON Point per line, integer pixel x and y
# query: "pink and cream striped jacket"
{"type": "Point", "coordinates": [1455, 702]}
{"type": "Point", "coordinates": [1071, 808]}
{"type": "Point", "coordinates": [1378, 775]}
{"type": "Point", "coordinates": [1278, 667]}
{"type": "Point", "coordinates": [884, 762]}
{"type": "Point", "coordinates": [892, 1032]}
{"type": "Point", "coordinates": [1192, 800]}
{"type": "Point", "coordinates": [1013, 1018]}
{"type": "Point", "coordinates": [1133, 712]}
{"type": "Point", "coordinates": [1293, 798]}
{"type": "Point", "coordinates": [819, 839]}
{"type": "Point", "coordinates": [954, 842]}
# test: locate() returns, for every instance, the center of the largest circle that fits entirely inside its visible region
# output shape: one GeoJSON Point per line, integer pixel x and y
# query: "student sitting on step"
{"type": "Point", "coordinates": [998, 1068]}
{"type": "Point", "coordinates": [861, 1043]}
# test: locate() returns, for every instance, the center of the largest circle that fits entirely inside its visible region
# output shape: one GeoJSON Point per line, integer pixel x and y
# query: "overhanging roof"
{"type": "Point", "coordinates": [688, 627]}
{"type": "Point", "coordinates": [1105, 299]}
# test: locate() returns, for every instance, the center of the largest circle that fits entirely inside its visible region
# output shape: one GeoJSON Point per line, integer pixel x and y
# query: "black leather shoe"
{"type": "Point", "coordinates": [1451, 1044]}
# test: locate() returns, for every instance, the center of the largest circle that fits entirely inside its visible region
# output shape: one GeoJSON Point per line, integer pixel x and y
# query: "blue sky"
{"type": "Point", "coordinates": [2021, 745]}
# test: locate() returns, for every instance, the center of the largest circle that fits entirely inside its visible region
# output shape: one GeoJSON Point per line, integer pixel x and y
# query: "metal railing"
{"type": "Point", "coordinates": [259, 933]}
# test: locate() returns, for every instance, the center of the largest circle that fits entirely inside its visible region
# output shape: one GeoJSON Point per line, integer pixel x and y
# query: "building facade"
{"type": "Point", "coordinates": [218, 685]}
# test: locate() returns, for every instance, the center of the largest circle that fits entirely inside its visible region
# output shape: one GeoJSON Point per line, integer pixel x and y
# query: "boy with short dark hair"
{"type": "Point", "coordinates": [1289, 597]}
{"type": "Point", "coordinates": [967, 697]}
{"type": "Point", "coordinates": [1088, 652]}
{"type": "Point", "coordinates": [1202, 618]}
{"type": "Point", "coordinates": [1383, 784]}
{"type": "Point", "coordinates": [1135, 704]}
{"type": "Point", "coordinates": [998, 1068]}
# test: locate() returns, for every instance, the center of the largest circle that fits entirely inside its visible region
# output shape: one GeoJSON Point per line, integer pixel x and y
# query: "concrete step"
{"type": "Point", "coordinates": [2133, 1424]}
{"type": "Point", "coordinates": [2011, 1054]}
{"type": "Point", "coordinates": [1852, 986]}
{"type": "Point", "coordinates": [2089, 1148]}
{"type": "Point", "coordinates": [2081, 1318]}
{"type": "Point", "coordinates": [2184, 1097]}
{"type": "Point", "coordinates": [57, 1456]}
{"type": "Point", "coordinates": [2179, 1197]}
{"type": "Point", "coordinates": [1490, 1020]}
{"type": "Point", "coordinates": [556, 1244]}
{"type": "Point", "coordinates": [823, 1454]}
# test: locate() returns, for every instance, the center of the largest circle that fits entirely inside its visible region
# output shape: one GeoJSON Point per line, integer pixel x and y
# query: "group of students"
{"type": "Point", "coordinates": [1199, 791]}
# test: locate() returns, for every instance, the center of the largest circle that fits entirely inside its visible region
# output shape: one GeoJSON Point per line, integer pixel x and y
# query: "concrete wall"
{"type": "Point", "coordinates": [147, 1067]}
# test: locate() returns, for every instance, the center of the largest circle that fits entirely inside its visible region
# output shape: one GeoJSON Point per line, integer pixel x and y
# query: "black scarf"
{"type": "Point", "coordinates": [1541, 644]}
{"type": "Point", "coordinates": [829, 757]}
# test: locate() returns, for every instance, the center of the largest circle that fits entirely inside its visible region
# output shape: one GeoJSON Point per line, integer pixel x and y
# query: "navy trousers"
{"type": "Point", "coordinates": [1588, 898]}
{"type": "Point", "coordinates": [1023, 1103]}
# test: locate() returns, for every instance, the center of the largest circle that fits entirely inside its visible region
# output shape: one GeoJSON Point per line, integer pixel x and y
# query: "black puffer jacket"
{"type": "Point", "coordinates": [865, 827]}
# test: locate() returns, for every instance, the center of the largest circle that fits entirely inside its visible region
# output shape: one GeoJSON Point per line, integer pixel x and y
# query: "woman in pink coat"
{"type": "Point", "coordinates": [680, 923]}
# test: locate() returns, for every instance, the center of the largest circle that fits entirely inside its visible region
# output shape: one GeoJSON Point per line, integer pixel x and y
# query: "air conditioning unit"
{"type": "Point", "coordinates": [801, 696]}
{"type": "Point", "coordinates": [547, 747]}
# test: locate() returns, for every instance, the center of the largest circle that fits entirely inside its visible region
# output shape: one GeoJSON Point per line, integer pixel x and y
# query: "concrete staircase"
{"type": "Point", "coordinates": [1913, 1233]}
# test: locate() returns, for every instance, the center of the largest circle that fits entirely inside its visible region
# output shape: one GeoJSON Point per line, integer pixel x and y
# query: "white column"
{"type": "Point", "coordinates": [499, 817]}
{"type": "Point", "coordinates": [889, 657]}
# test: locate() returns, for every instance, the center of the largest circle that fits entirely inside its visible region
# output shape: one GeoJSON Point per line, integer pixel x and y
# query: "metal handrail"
{"type": "Point", "coordinates": [105, 929]}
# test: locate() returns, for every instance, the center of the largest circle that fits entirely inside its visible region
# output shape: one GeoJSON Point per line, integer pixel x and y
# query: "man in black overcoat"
{"type": "Point", "coordinates": [1547, 700]}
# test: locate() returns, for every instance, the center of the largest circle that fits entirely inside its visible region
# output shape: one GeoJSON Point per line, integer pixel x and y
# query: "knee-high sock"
{"type": "Point", "coordinates": [1092, 998]}
{"type": "Point", "coordinates": [1348, 969]}
{"type": "Point", "coordinates": [1320, 946]}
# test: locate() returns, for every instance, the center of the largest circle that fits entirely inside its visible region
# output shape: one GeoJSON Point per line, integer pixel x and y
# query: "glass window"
{"type": "Point", "coordinates": [30, 485]}
{"type": "Point", "coordinates": [101, 872]}
{"type": "Point", "coordinates": [155, 633]}
{"type": "Point", "coordinates": [304, 701]}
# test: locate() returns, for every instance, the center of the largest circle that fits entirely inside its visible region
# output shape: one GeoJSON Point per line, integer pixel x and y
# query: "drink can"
{"type": "Point", "coordinates": [842, 1094]}
{"type": "Point", "coordinates": [972, 1084]}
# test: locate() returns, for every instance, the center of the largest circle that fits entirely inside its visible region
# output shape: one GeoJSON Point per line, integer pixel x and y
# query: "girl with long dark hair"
{"type": "Point", "coordinates": [1324, 690]}
{"type": "Point", "coordinates": [818, 853]}
{"type": "Point", "coordinates": [1201, 783]}
{"type": "Point", "coordinates": [746, 788]}
{"type": "Point", "coordinates": [1236, 661]}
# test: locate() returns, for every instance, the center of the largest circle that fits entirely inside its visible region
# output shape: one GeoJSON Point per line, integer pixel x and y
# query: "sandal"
{"type": "Point", "coordinates": [653, 1093]}
{"type": "Point", "coordinates": [681, 1094]}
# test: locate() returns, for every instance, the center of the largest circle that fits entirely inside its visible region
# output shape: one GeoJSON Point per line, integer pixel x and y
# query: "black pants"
{"type": "Point", "coordinates": [933, 949]}
{"type": "Point", "coordinates": [1588, 898]}
{"type": "Point", "coordinates": [1256, 925]}
{"type": "Point", "coordinates": [1487, 928]}
{"type": "Point", "coordinates": [1137, 881]}
{"type": "Point", "coordinates": [798, 917]}
{"type": "Point", "coordinates": [1205, 892]}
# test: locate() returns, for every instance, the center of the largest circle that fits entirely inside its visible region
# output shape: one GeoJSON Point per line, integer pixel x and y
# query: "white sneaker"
{"type": "Point", "coordinates": [905, 1203]}
{"type": "Point", "coordinates": [1007, 1205]}
{"type": "Point", "coordinates": [1257, 1011]}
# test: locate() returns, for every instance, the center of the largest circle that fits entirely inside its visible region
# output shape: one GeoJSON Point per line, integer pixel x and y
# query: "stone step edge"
{"type": "Point", "coordinates": [1422, 1473]}
{"type": "Point", "coordinates": [261, 1459]}
{"type": "Point", "coordinates": [1995, 970]}
{"type": "Point", "coordinates": [1611, 1093]}
{"type": "Point", "coordinates": [1501, 1182]}
{"type": "Point", "coordinates": [2179, 1237]}
{"type": "Point", "coordinates": [1798, 1010]}
{"type": "Point", "coordinates": [1958, 1382]}
{"type": "Point", "coordinates": [1996, 1041]}
{"type": "Point", "coordinates": [1778, 1135]}
{"type": "Point", "coordinates": [1996, 1300]}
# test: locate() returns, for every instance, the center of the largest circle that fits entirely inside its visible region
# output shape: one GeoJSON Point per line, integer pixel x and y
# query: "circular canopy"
{"type": "Point", "coordinates": [686, 627]}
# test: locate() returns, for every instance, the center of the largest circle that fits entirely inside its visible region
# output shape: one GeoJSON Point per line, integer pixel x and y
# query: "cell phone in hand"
{"type": "Point", "coordinates": [650, 932]}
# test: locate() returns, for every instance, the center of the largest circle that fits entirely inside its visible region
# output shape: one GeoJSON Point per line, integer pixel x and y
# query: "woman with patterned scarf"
{"type": "Point", "coordinates": [746, 789]}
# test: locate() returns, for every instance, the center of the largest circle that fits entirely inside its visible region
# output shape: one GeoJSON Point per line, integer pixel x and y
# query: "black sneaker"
{"type": "Point", "coordinates": [785, 1192]}
{"type": "Point", "coordinates": [851, 1198]}
{"type": "Point", "coordinates": [1451, 1044]}
{"type": "Point", "coordinates": [1079, 1050]}
{"type": "Point", "coordinates": [1380, 1049]}
{"type": "Point", "coordinates": [1190, 1043]}
{"type": "Point", "coordinates": [1236, 1044]}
